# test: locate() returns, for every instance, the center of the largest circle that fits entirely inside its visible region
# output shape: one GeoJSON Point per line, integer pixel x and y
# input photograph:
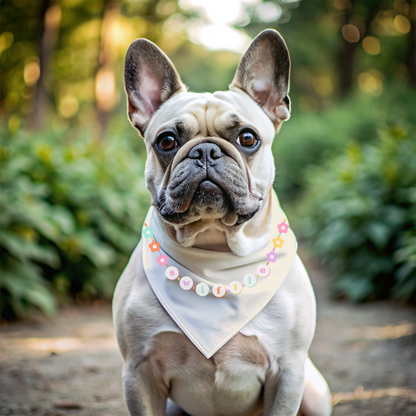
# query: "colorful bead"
{"type": "Point", "coordinates": [272, 256]}
{"type": "Point", "coordinates": [186, 283]}
{"type": "Point", "coordinates": [172, 273]}
{"type": "Point", "coordinates": [282, 227]}
{"type": "Point", "coordinates": [219, 290]}
{"type": "Point", "coordinates": [278, 242]}
{"type": "Point", "coordinates": [202, 289]}
{"type": "Point", "coordinates": [235, 287]}
{"type": "Point", "coordinates": [250, 280]}
{"type": "Point", "coordinates": [154, 246]}
{"type": "Point", "coordinates": [162, 260]}
{"type": "Point", "coordinates": [148, 232]}
{"type": "Point", "coordinates": [263, 270]}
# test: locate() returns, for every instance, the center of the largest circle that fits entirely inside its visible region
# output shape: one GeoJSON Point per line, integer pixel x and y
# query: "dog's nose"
{"type": "Point", "coordinates": [205, 154]}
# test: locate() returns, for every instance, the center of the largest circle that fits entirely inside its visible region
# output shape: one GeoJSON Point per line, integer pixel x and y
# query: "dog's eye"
{"type": "Point", "coordinates": [166, 142]}
{"type": "Point", "coordinates": [247, 139]}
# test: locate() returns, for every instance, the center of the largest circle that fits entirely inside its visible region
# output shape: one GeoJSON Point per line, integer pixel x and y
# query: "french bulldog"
{"type": "Point", "coordinates": [210, 172]}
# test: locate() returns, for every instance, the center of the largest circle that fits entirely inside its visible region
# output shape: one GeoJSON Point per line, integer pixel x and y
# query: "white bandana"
{"type": "Point", "coordinates": [209, 322]}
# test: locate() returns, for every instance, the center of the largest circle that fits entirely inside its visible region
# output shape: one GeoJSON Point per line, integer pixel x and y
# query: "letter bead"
{"type": "Point", "coordinates": [172, 273]}
{"type": "Point", "coordinates": [186, 283]}
{"type": "Point", "coordinates": [235, 287]}
{"type": "Point", "coordinates": [263, 270]}
{"type": "Point", "coordinates": [219, 291]}
{"type": "Point", "coordinates": [250, 280]}
{"type": "Point", "coordinates": [202, 289]}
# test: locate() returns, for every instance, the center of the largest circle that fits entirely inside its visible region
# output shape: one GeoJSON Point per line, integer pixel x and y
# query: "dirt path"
{"type": "Point", "coordinates": [363, 351]}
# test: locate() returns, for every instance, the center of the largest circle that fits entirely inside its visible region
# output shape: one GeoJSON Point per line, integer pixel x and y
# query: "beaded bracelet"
{"type": "Point", "coordinates": [218, 290]}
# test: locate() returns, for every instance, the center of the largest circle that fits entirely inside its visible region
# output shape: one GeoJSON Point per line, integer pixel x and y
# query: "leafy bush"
{"type": "Point", "coordinates": [312, 138]}
{"type": "Point", "coordinates": [359, 217]}
{"type": "Point", "coordinates": [71, 213]}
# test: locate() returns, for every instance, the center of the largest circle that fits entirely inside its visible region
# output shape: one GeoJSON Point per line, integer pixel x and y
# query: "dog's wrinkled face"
{"type": "Point", "coordinates": [203, 150]}
{"type": "Point", "coordinates": [209, 155]}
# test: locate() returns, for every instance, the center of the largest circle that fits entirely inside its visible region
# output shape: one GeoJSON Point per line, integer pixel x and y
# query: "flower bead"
{"type": "Point", "coordinates": [272, 256]}
{"type": "Point", "coordinates": [162, 260]}
{"type": "Point", "coordinates": [278, 242]}
{"type": "Point", "coordinates": [154, 246]}
{"type": "Point", "coordinates": [148, 232]}
{"type": "Point", "coordinates": [282, 227]}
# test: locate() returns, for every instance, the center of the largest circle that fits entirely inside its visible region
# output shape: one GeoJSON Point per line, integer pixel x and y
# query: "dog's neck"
{"type": "Point", "coordinates": [241, 240]}
{"type": "Point", "coordinates": [212, 239]}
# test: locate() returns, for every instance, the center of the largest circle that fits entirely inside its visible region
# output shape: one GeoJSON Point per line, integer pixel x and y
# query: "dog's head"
{"type": "Point", "coordinates": [210, 163]}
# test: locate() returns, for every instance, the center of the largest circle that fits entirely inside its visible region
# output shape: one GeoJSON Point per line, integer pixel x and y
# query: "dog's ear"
{"type": "Point", "coordinates": [150, 79]}
{"type": "Point", "coordinates": [264, 72]}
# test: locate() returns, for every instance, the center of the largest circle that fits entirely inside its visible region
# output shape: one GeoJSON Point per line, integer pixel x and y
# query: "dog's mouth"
{"type": "Point", "coordinates": [209, 187]}
{"type": "Point", "coordinates": [209, 201]}
{"type": "Point", "coordinates": [208, 182]}
{"type": "Point", "coordinates": [208, 195]}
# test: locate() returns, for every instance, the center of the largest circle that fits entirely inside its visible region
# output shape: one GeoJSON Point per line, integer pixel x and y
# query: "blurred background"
{"type": "Point", "coordinates": [72, 187]}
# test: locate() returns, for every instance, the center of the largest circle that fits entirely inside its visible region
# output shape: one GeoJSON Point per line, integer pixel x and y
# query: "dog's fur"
{"type": "Point", "coordinates": [213, 193]}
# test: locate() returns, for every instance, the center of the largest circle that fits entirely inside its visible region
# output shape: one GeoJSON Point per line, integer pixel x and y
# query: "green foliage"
{"type": "Point", "coordinates": [359, 217]}
{"type": "Point", "coordinates": [71, 212]}
{"type": "Point", "coordinates": [312, 138]}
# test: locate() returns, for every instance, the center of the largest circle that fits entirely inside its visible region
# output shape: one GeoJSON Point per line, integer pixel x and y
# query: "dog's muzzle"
{"type": "Point", "coordinates": [207, 177]}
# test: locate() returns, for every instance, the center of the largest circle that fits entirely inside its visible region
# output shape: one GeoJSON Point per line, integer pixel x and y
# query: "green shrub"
{"type": "Point", "coordinates": [71, 213]}
{"type": "Point", "coordinates": [311, 138]}
{"type": "Point", "coordinates": [358, 215]}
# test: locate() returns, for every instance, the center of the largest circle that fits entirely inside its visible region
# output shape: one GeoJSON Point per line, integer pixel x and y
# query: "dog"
{"type": "Point", "coordinates": [210, 172]}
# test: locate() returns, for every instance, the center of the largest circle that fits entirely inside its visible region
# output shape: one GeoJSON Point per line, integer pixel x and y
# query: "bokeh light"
{"type": "Point", "coordinates": [68, 106]}
{"type": "Point", "coordinates": [219, 37]}
{"type": "Point", "coordinates": [371, 45]}
{"type": "Point", "coordinates": [371, 82]}
{"type": "Point", "coordinates": [216, 31]}
{"type": "Point", "coordinates": [269, 12]}
{"type": "Point", "coordinates": [402, 24]}
{"type": "Point", "coordinates": [32, 72]}
{"type": "Point", "coordinates": [105, 88]}
{"type": "Point", "coordinates": [351, 33]}
{"type": "Point", "coordinates": [342, 4]}
{"type": "Point", "coordinates": [6, 39]}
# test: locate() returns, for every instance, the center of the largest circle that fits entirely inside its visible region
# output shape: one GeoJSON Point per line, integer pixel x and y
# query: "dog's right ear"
{"type": "Point", "coordinates": [264, 73]}
{"type": "Point", "coordinates": [150, 79]}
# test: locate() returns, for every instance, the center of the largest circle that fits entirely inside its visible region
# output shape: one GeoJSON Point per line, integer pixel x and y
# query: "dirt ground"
{"type": "Point", "coordinates": [72, 366]}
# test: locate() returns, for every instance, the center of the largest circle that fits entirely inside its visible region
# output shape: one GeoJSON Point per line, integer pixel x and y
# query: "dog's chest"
{"type": "Point", "coordinates": [229, 383]}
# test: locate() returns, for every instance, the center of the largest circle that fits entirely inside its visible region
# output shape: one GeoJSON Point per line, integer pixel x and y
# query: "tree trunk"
{"type": "Point", "coordinates": [105, 79]}
{"type": "Point", "coordinates": [346, 61]}
{"type": "Point", "coordinates": [347, 66]}
{"type": "Point", "coordinates": [411, 63]}
{"type": "Point", "coordinates": [50, 17]}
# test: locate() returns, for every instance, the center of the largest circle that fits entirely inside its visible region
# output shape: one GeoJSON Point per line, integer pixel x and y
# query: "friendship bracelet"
{"type": "Point", "coordinates": [218, 290]}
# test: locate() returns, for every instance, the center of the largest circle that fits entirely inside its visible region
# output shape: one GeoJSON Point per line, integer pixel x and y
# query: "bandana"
{"type": "Point", "coordinates": [209, 321]}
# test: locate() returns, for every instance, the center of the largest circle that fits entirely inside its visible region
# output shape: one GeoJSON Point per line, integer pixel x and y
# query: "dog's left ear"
{"type": "Point", "coordinates": [264, 73]}
{"type": "Point", "coordinates": [150, 79]}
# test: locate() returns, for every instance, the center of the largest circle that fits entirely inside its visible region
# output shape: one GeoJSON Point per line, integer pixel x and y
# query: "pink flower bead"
{"type": "Point", "coordinates": [162, 260]}
{"type": "Point", "coordinates": [282, 227]}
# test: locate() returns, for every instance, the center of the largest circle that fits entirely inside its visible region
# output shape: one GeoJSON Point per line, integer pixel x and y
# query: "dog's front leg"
{"type": "Point", "coordinates": [144, 390]}
{"type": "Point", "coordinates": [283, 391]}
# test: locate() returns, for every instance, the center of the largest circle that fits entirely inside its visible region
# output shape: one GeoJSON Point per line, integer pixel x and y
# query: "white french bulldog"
{"type": "Point", "coordinates": [210, 172]}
